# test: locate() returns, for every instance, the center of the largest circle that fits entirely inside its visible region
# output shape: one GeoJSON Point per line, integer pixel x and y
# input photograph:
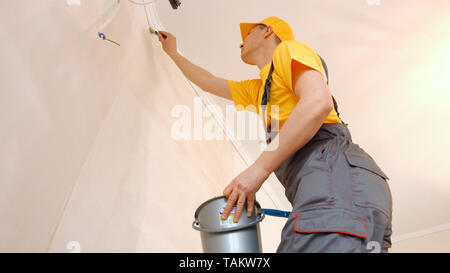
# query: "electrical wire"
{"type": "Point", "coordinates": [146, 15]}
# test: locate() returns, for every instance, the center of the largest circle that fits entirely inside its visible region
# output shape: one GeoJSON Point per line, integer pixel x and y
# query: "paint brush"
{"type": "Point", "coordinates": [156, 32]}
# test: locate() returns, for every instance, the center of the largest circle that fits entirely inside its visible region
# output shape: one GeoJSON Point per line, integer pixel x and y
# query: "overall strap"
{"type": "Point", "coordinates": [264, 100]}
{"type": "Point", "coordinates": [324, 65]}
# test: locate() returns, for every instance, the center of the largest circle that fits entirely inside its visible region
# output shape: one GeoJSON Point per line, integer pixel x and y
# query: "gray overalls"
{"type": "Point", "coordinates": [340, 197]}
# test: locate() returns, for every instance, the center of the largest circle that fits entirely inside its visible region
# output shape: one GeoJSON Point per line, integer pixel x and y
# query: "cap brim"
{"type": "Point", "coordinates": [245, 28]}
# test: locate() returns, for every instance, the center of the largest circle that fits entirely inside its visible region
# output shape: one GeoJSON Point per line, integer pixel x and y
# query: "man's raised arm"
{"type": "Point", "coordinates": [199, 76]}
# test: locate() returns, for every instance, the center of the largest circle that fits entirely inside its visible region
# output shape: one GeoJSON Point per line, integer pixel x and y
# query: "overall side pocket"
{"type": "Point", "coordinates": [370, 188]}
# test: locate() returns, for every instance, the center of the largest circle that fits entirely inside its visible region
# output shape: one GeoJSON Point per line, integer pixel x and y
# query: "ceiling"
{"type": "Point", "coordinates": [389, 65]}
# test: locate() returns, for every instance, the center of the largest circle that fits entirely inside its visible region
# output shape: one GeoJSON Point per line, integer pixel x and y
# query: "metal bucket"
{"type": "Point", "coordinates": [225, 236]}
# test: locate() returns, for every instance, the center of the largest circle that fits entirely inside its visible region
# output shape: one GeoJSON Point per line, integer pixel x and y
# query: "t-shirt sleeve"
{"type": "Point", "coordinates": [244, 94]}
{"type": "Point", "coordinates": [292, 51]}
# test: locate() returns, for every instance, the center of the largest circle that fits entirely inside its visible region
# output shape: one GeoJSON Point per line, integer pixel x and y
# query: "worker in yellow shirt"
{"type": "Point", "coordinates": [340, 197]}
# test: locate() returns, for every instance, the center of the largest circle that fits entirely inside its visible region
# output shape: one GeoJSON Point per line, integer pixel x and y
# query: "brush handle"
{"type": "Point", "coordinates": [156, 32]}
{"type": "Point", "coordinates": [165, 36]}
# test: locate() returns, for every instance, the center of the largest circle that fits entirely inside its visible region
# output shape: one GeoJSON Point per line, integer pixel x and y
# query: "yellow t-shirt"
{"type": "Point", "coordinates": [245, 93]}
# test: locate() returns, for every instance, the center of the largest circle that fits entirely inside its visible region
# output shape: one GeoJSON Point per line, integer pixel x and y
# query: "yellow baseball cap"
{"type": "Point", "coordinates": [279, 27]}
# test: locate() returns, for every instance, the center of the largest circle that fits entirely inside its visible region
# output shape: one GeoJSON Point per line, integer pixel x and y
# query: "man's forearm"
{"type": "Point", "coordinates": [300, 127]}
{"type": "Point", "coordinates": [194, 73]}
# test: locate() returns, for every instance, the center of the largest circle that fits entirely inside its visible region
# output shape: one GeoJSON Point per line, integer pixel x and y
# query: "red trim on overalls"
{"type": "Point", "coordinates": [336, 231]}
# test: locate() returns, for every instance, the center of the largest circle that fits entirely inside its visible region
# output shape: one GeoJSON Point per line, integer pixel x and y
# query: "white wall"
{"type": "Point", "coordinates": [87, 153]}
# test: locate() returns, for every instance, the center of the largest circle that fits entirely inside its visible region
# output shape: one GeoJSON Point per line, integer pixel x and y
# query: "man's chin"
{"type": "Point", "coordinates": [245, 60]}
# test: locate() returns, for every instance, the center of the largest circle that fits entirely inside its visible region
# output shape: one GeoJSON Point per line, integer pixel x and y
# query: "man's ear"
{"type": "Point", "coordinates": [268, 31]}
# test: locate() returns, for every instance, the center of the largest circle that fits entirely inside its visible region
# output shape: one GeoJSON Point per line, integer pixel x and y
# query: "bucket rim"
{"type": "Point", "coordinates": [196, 225]}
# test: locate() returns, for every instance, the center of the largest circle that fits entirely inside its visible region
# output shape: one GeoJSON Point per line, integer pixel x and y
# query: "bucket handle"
{"type": "Point", "coordinates": [260, 217]}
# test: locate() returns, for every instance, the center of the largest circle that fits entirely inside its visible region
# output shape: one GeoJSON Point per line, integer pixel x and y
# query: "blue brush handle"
{"type": "Point", "coordinates": [277, 213]}
{"type": "Point", "coordinates": [164, 35]}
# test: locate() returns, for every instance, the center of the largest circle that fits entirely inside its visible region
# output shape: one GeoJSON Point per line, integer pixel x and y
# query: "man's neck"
{"type": "Point", "coordinates": [267, 55]}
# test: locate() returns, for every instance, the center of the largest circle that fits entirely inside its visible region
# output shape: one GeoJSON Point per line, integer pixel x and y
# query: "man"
{"type": "Point", "coordinates": [340, 198]}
